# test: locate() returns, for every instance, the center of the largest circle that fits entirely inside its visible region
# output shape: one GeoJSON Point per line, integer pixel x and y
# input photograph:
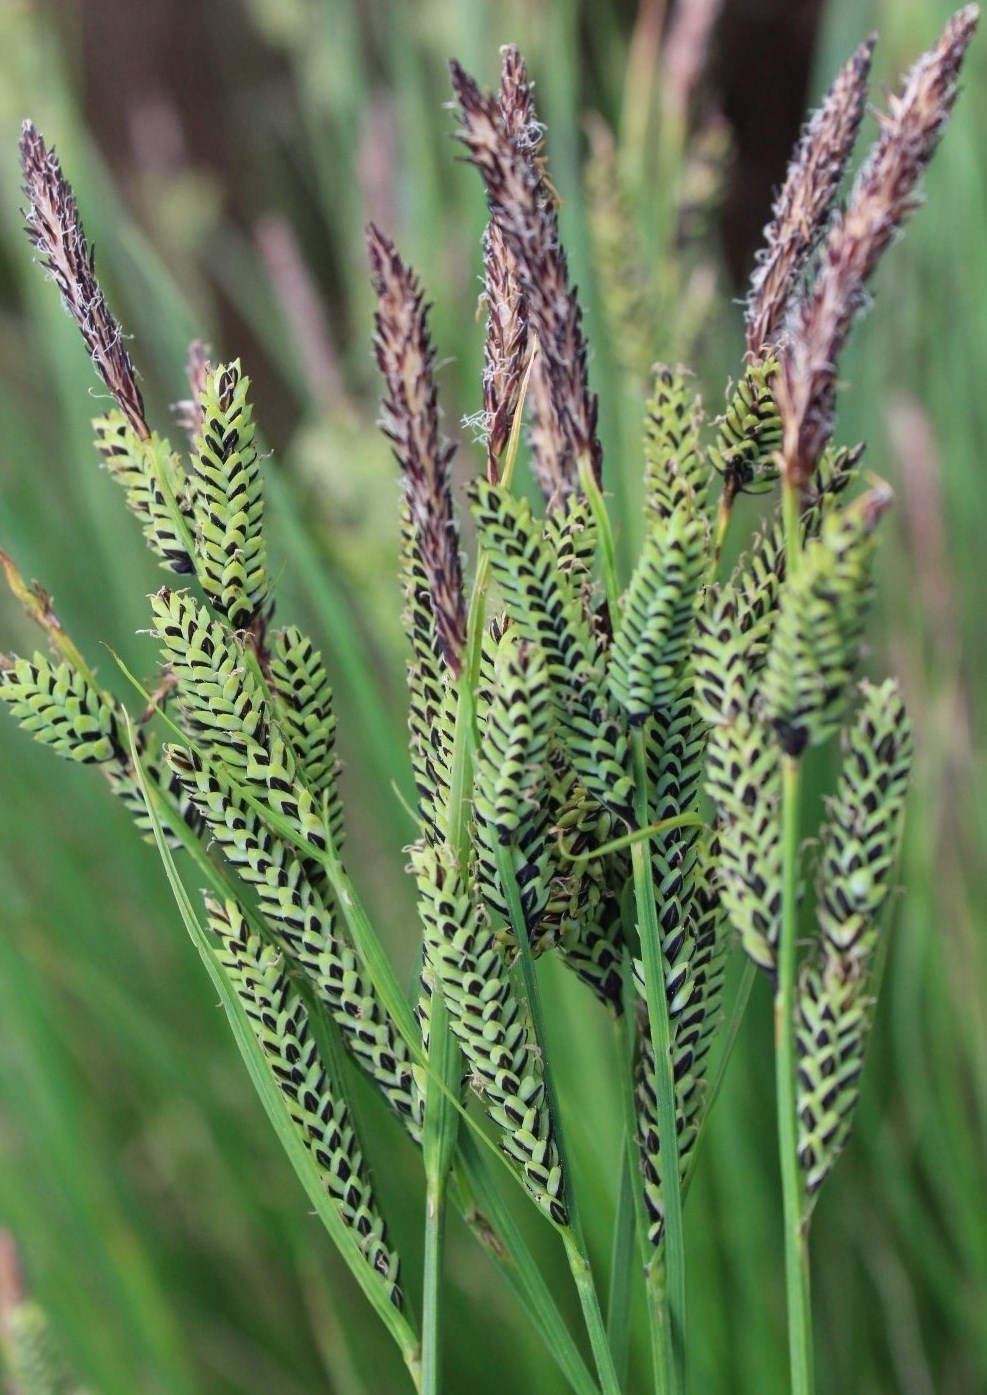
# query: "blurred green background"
{"type": "Point", "coordinates": [226, 158]}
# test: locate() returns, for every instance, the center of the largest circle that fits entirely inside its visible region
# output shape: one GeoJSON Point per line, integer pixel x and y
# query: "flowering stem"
{"type": "Point", "coordinates": [796, 1239]}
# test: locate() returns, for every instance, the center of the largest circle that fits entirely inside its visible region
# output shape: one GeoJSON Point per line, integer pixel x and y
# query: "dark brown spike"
{"type": "Point", "coordinates": [53, 224]}
{"type": "Point", "coordinates": [883, 195]}
{"type": "Point", "coordinates": [526, 216]}
{"type": "Point", "coordinates": [803, 206]}
{"type": "Point", "coordinates": [410, 419]}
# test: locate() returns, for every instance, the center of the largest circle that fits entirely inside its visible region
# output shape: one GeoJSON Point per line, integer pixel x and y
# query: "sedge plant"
{"type": "Point", "coordinates": [607, 768]}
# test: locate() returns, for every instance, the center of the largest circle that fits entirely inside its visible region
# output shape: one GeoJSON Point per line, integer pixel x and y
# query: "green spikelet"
{"type": "Point", "coordinates": [571, 535]}
{"type": "Point", "coordinates": [505, 1062]}
{"type": "Point", "coordinates": [820, 623]}
{"type": "Point", "coordinates": [860, 842]}
{"type": "Point", "coordinates": [835, 1006]}
{"type": "Point", "coordinates": [582, 915]}
{"type": "Point", "coordinates": [831, 1027]}
{"type": "Point", "coordinates": [224, 705]}
{"type": "Point", "coordinates": [431, 701]}
{"type": "Point", "coordinates": [693, 945]}
{"type": "Point", "coordinates": [228, 499]}
{"type": "Point", "coordinates": [653, 639]}
{"type": "Point", "coordinates": [743, 778]}
{"type": "Point", "coordinates": [62, 709]}
{"type": "Point", "coordinates": [720, 666]}
{"type": "Point", "coordinates": [510, 784]}
{"type": "Point", "coordinates": [546, 615]}
{"type": "Point", "coordinates": [156, 488]}
{"type": "Point", "coordinates": [306, 924]}
{"type": "Point", "coordinates": [676, 476]}
{"type": "Point", "coordinates": [749, 432]}
{"type": "Point", "coordinates": [675, 742]}
{"type": "Point", "coordinates": [317, 1104]}
{"type": "Point", "coordinates": [758, 579]}
{"type": "Point", "coordinates": [304, 707]}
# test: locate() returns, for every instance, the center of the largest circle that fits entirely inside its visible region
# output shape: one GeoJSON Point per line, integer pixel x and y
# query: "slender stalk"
{"type": "Point", "coordinates": [592, 1316]}
{"type": "Point", "coordinates": [672, 1311]}
{"type": "Point", "coordinates": [632, 1173]}
{"type": "Point", "coordinates": [439, 1139]}
{"type": "Point", "coordinates": [622, 1263]}
{"type": "Point", "coordinates": [796, 1235]}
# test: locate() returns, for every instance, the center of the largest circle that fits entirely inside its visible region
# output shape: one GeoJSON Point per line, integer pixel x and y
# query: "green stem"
{"type": "Point", "coordinates": [486, 1211]}
{"type": "Point", "coordinates": [592, 1316]}
{"type": "Point", "coordinates": [631, 1173]}
{"type": "Point", "coordinates": [439, 1138]}
{"type": "Point", "coordinates": [796, 1233]}
{"type": "Point", "coordinates": [672, 1309]}
{"type": "Point", "coordinates": [622, 1263]}
{"type": "Point", "coordinates": [796, 1236]}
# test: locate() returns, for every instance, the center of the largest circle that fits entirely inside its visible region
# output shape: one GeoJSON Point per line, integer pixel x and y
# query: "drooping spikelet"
{"type": "Point", "coordinates": [546, 615]}
{"type": "Point", "coordinates": [228, 500]}
{"type": "Point", "coordinates": [155, 486]}
{"type": "Point", "coordinates": [304, 707]}
{"type": "Point", "coordinates": [835, 991]}
{"type": "Point", "coordinates": [223, 702]}
{"type": "Point", "coordinates": [817, 635]}
{"type": "Point", "coordinates": [676, 476]}
{"type": "Point", "coordinates": [306, 925]}
{"type": "Point", "coordinates": [831, 1027]}
{"type": "Point", "coordinates": [652, 642]}
{"type": "Point", "coordinates": [743, 779]}
{"type": "Point", "coordinates": [511, 779]}
{"type": "Point", "coordinates": [802, 207]}
{"type": "Point", "coordinates": [61, 708]}
{"type": "Point", "coordinates": [883, 195]}
{"type": "Point", "coordinates": [33, 1360]}
{"type": "Point", "coordinates": [473, 972]}
{"type": "Point", "coordinates": [317, 1103]}
{"type": "Point", "coordinates": [860, 840]}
